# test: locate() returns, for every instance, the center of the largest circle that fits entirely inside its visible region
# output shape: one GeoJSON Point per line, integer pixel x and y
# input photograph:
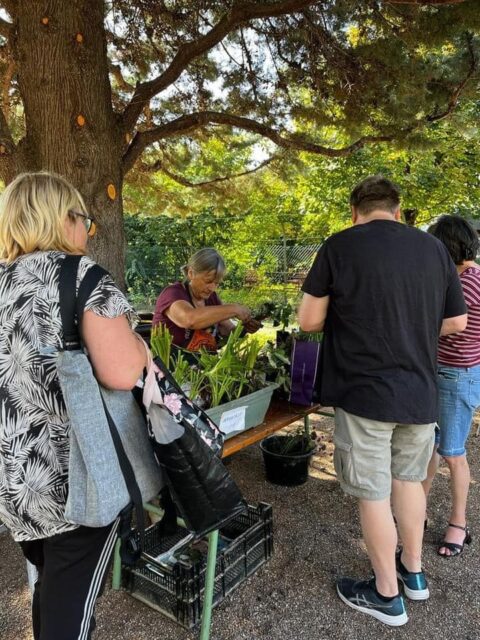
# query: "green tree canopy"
{"type": "Point", "coordinates": [94, 88]}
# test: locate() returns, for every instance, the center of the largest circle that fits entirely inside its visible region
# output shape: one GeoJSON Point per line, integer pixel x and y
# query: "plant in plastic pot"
{"type": "Point", "coordinates": [287, 457]}
{"type": "Point", "coordinates": [213, 379]}
{"type": "Point", "coordinates": [273, 364]}
{"type": "Point", "coordinates": [280, 313]}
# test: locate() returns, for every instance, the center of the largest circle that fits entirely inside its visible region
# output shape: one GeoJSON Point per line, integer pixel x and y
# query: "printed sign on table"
{"type": "Point", "coordinates": [233, 420]}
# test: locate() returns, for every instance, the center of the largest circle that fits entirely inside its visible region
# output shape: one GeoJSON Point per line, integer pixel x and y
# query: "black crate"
{"type": "Point", "coordinates": [177, 591]}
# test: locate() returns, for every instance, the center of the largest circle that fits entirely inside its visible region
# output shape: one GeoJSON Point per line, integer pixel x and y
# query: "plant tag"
{"type": "Point", "coordinates": [233, 420]}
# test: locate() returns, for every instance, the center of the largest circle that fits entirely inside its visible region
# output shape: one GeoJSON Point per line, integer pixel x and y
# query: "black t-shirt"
{"type": "Point", "coordinates": [390, 287]}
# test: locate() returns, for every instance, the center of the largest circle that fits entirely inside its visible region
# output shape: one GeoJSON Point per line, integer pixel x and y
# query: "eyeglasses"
{"type": "Point", "coordinates": [90, 224]}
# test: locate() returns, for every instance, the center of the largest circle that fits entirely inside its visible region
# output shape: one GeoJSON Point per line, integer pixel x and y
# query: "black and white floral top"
{"type": "Point", "coordinates": [34, 425]}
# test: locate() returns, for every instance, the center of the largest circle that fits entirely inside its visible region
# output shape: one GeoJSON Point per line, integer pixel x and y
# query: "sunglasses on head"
{"type": "Point", "coordinates": [90, 225]}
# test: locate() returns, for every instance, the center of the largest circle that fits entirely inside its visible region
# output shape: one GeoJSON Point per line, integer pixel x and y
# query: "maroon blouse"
{"type": "Point", "coordinates": [172, 293]}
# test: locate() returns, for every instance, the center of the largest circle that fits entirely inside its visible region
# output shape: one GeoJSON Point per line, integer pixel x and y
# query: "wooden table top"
{"type": "Point", "coordinates": [279, 415]}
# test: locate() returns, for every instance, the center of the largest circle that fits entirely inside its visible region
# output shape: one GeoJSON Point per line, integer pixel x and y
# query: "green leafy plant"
{"type": "Point", "coordinates": [181, 371]}
{"type": "Point", "coordinates": [297, 442]}
{"type": "Point", "coordinates": [280, 313]}
{"type": "Point", "coordinates": [161, 343]}
{"type": "Point", "coordinates": [305, 336]}
{"type": "Point", "coordinates": [230, 371]}
{"type": "Point", "coordinates": [215, 378]}
{"type": "Point", "coordinates": [273, 365]}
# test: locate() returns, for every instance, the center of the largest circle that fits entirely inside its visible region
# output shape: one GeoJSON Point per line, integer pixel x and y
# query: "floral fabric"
{"type": "Point", "coordinates": [182, 409]}
{"type": "Point", "coordinates": [34, 425]}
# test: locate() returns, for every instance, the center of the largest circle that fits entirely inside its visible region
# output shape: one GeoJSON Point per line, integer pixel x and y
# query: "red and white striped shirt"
{"type": "Point", "coordinates": [463, 349]}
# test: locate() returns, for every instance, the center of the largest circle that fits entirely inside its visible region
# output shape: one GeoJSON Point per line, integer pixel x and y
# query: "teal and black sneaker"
{"type": "Point", "coordinates": [363, 596]}
{"type": "Point", "coordinates": [414, 584]}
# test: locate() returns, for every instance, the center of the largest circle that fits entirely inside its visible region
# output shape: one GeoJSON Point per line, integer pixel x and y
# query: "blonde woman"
{"type": "Point", "coordinates": [42, 218]}
{"type": "Point", "coordinates": [192, 311]}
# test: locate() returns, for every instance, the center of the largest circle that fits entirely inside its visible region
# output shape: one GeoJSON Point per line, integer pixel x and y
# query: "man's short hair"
{"type": "Point", "coordinates": [375, 193]}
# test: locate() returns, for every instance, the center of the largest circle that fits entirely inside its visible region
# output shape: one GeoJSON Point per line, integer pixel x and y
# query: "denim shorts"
{"type": "Point", "coordinates": [459, 395]}
{"type": "Point", "coordinates": [369, 453]}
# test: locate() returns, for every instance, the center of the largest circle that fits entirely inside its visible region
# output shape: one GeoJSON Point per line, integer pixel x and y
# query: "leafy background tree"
{"type": "Point", "coordinates": [97, 89]}
{"type": "Point", "coordinates": [299, 199]}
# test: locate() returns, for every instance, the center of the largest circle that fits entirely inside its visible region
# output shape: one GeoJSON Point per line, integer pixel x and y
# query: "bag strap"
{"type": "Point", "coordinates": [133, 491]}
{"type": "Point", "coordinates": [68, 299]}
{"type": "Point", "coordinates": [72, 306]}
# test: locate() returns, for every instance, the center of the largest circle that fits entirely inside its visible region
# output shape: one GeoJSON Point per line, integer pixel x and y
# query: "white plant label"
{"type": "Point", "coordinates": [233, 420]}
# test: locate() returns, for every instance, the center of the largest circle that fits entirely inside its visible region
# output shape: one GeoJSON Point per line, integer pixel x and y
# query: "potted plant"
{"type": "Point", "coordinates": [280, 314]}
{"type": "Point", "coordinates": [281, 317]}
{"type": "Point", "coordinates": [221, 382]}
{"type": "Point", "coordinates": [287, 457]}
{"type": "Point", "coordinates": [274, 363]}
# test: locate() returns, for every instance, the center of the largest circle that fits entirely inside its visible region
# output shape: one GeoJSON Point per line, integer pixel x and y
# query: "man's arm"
{"type": "Point", "coordinates": [313, 312]}
{"type": "Point", "coordinates": [453, 325]}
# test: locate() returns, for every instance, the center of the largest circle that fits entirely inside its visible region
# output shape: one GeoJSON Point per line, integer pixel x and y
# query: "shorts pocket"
{"type": "Point", "coordinates": [447, 374]}
{"type": "Point", "coordinates": [343, 463]}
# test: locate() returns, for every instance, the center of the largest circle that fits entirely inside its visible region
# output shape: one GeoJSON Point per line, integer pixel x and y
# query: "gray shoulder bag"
{"type": "Point", "coordinates": [111, 462]}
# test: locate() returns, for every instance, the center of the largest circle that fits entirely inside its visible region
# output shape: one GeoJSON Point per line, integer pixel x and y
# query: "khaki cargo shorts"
{"type": "Point", "coordinates": [369, 453]}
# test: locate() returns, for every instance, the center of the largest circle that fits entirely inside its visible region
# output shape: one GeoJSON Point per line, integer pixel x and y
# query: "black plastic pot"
{"type": "Point", "coordinates": [289, 469]}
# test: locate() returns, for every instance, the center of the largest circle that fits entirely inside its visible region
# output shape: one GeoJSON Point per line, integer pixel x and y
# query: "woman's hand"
{"type": "Point", "coordinates": [252, 325]}
{"type": "Point", "coordinates": [242, 313]}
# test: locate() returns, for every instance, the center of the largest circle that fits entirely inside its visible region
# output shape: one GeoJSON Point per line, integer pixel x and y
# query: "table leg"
{"type": "Point", "coordinates": [306, 424]}
{"type": "Point", "coordinates": [117, 563]}
{"type": "Point", "coordinates": [117, 567]}
{"type": "Point", "coordinates": [328, 414]}
{"type": "Point", "coordinates": [209, 585]}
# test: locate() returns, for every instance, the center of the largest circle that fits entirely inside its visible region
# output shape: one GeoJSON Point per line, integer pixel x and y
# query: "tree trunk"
{"type": "Point", "coordinates": [61, 56]}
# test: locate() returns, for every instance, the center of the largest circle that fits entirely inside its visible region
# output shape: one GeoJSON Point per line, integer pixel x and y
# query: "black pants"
{"type": "Point", "coordinates": [71, 573]}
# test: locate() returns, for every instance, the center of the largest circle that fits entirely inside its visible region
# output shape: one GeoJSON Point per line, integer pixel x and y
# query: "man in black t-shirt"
{"type": "Point", "coordinates": [383, 292]}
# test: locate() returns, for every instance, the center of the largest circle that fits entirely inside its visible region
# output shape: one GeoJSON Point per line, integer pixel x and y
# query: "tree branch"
{"type": "Point", "coordinates": [192, 121]}
{"type": "Point", "coordinates": [189, 122]}
{"type": "Point", "coordinates": [116, 72]}
{"type": "Point", "coordinates": [452, 103]}
{"type": "Point", "coordinates": [238, 14]}
{"type": "Point", "coordinates": [159, 166]}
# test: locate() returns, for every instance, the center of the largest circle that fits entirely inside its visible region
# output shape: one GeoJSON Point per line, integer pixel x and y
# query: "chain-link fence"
{"type": "Point", "coordinates": [277, 270]}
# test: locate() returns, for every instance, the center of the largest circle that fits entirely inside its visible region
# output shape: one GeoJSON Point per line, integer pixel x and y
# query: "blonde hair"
{"type": "Point", "coordinates": [33, 210]}
{"type": "Point", "coordinates": [204, 261]}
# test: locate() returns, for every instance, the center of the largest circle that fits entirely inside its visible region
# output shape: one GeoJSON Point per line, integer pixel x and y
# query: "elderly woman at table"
{"type": "Point", "coordinates": [192, 310]}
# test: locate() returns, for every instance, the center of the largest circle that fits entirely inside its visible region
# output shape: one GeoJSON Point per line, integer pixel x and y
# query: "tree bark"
{"type": "Point", "coordinates": [71, 128]}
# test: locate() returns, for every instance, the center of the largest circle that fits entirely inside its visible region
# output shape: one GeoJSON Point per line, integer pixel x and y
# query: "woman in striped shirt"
{"type": "Point", "coordinates": [458, 381]}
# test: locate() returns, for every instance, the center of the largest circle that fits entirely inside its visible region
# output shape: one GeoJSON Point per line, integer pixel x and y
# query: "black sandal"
{"type": "Point", "coordinates": [454, 548]}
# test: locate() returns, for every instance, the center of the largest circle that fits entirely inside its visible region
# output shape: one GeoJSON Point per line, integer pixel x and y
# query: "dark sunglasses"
{"type": "Point", "coordinates": [90, 225]}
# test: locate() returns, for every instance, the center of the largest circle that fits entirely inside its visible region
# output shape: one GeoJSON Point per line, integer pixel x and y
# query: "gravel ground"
{"type": "Point", "coordinates": [317, 538]}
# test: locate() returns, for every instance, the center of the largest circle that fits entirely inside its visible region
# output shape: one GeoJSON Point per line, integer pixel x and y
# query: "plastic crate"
{"type": "Point", "coordinates": [177, 591]}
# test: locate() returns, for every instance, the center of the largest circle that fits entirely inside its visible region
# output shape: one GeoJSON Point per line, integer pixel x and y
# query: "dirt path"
{"type": "Point", "coordinates": [317, 538]}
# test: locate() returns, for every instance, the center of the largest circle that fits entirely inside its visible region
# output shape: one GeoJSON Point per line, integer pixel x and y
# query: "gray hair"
{"type": "Point", "coordinates": [204, 261]}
